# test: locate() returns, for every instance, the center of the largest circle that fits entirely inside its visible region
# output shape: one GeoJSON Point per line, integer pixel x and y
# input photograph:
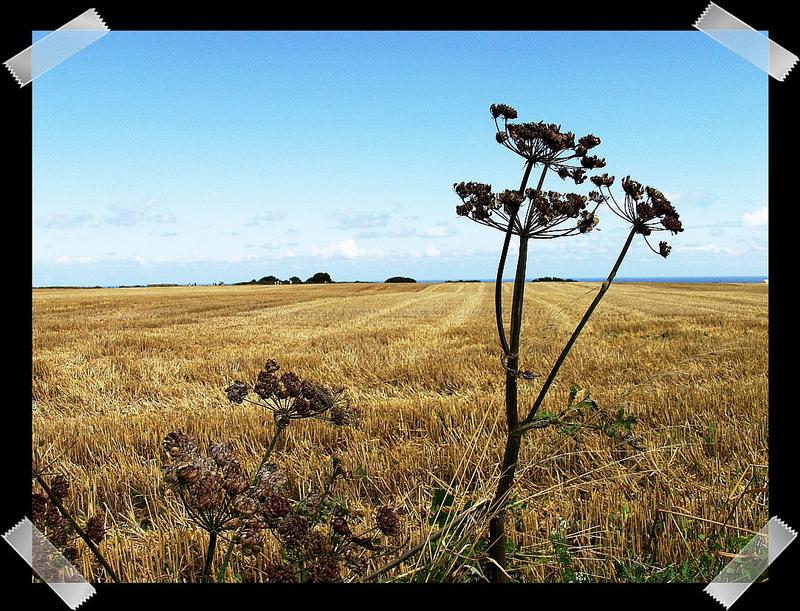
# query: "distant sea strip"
{"type": "Point", "coordinates": [673, 279]}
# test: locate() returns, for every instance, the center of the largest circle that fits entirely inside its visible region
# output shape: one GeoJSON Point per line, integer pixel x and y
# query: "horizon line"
{"type": "Point", "coordinates": [653, 279]}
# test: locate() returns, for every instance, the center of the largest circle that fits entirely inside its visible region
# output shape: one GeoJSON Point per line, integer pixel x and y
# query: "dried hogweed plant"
{"type": "Point", "coordinates": [535, 214]}
{"type": "Point", "coordinates": [315, 534]}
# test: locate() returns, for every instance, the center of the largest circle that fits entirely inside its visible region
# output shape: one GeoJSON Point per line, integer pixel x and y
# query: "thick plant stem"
{"type": "Point", "coordinates": [212, 547]}
{"type": "Point", "coordinates": [501, 267]}
{"type": "Point", "coordinates": [497, 549]}
{"type": "Point", "coordinates": [76, 527]}
{"type": "Point", "coordinates": [497, 525]}
{"type": "Point", "coordinates": [554, 371]}
{"type": "Point", "coordinates": [273, 442]}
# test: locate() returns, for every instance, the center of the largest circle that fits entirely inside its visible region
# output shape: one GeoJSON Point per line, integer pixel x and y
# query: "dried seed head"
{"type": "Point", "coordinates": [342, 414]}
{"type": "Point", "coordinates": [632, 188]}
{"type": "Point", "coordinates": [672, 223]}
{"type": "Point", "coordinates": [604, 180]}
{"type": "Point", "coordinates": [60, 486]}
{"type": "Point", "coordinates": [648, 210]}
{"type": "Point", "coordinates": [237, 392]}
{"type": "Point", "coordinates": [510, 200]}
{"type": "Point", "coordinates": [250, 538]}
{"type": "Point", "coordinates": [177, 443]}
{"type": "Point", "coordinates": [39, 505]}
{"type": "Point", "coordinates": [207, 492]}
{"type": "Point", "coordinates": [274, 508]}
{"type": "Point", "coordinates": [293, 530]}
{"type": "Point", "coordinates": [292, 383]}
{"type": "Point", "coordinates": [340, 526]}
{"type": "Point", "coordinates": [270, 480]}
{"type": "Point", "coordinates": [267, 385]}
{"type": "Point", "coordinates": [235, 482]}
{"type": "Point", "coordinates": [223, 455]}
{"type": "Point", "coordinates": [279, 573]}
{"type": "Point", "coordinates": [387, 521]}
{"type": "Point", "coordinates": [578, 175]}
{"type": "Point", "coordinates": [590, 162]}
{"type": "Point", "coordinates": [325, 570]}
{"type": "Point", "coordinates": [587, 222]}
{"type": "Point", "coordinates": [95, 528]}
{"type": "Point", "coordinates": [645, 211]}
{"type": "Point", "coordinates": [187, 473]}
{"type": "Point", "coordinates": [302, 407]}
{"type": "Point", "coordinates": [271, 366]}
{"type": "Point", "coordinates": [589, 141]}
{"type": "Point", "coordinates": [245, 506]}
{"type": "Point", "coordinates": [502, 110]}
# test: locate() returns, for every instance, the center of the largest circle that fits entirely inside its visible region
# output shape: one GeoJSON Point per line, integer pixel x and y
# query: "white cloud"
{"type": "Point", "coordinates": [63, 221]}
{"type": "Point", "coordinates": [388, 232]}
{"type": "Point", "coordinates": [712, 249]}
{"type": "Point", "coordinates": [756, 218]}
{"type": "Point", "coordinates": [268, 217]}
{"type": "Point", "coordinates": [238, 258]}
{"type": "Point", "coordinates": [432, 251]}
{"type": "Point", "coordinates": [347, 249]}
{"type": "Point", "coordinates": [129, 216]}
{"type": "Point", "coordinates": [442, 230]}
{"type": "Point", "coordinates": [360, 219]}
{"type": "Point", "coordinates": [701, 199]}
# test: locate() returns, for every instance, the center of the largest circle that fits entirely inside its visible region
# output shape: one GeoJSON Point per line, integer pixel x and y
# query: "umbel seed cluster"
{"type": "Point", "coordinates": [290, 397]}
{"type": "Point", "coordinates": [552, 214]}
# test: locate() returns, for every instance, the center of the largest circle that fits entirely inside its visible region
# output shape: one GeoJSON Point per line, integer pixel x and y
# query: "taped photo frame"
{"type": "Point", "coordinates": [227, 199]}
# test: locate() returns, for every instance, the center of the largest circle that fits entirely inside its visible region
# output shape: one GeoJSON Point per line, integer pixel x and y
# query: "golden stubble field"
{"type": "Point", "coordinates": [114, 370]}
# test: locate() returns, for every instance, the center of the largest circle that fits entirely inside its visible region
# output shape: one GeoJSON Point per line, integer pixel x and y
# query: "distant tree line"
{"type": "Point", "coordinates": [552, 279]}
{"type": "Point", "coordinates": [318, 278]}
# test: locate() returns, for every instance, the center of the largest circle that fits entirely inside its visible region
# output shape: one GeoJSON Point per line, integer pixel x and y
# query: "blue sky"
{"type": "Point", "coordinates": [225, 156]}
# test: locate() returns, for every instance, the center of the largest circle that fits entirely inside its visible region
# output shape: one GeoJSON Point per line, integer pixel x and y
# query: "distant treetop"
{"type": "Point", "coordinates": [320, 278]}
{"type": "Point", "coordinates": [400, 279]}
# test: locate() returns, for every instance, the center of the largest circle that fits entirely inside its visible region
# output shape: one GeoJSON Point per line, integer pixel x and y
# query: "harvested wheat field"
{"type": "Point", "coordinates": [114, 370]}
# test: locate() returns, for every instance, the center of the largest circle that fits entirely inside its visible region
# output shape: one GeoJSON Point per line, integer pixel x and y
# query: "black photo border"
{"type": "Point", "coordinates": [783, 254]}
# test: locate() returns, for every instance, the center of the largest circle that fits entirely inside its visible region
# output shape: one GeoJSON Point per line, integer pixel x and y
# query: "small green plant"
{"type": "Point", "coordinates": [586, 414]}
{"type": "Point", "coordinates": [563, 557]}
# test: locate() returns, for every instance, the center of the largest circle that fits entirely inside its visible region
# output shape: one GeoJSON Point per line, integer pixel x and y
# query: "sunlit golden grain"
{"type": "Point", "coordinates": [116, 369]}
